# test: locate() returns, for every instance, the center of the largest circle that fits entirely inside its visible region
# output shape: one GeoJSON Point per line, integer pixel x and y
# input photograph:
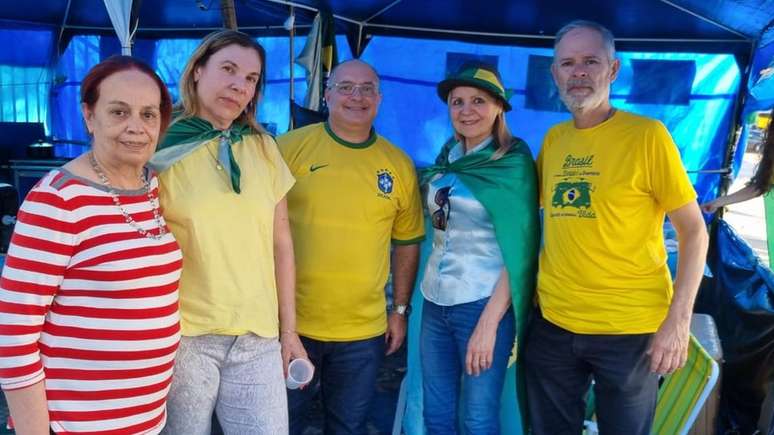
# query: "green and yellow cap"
{"type": "Point", "coordinates": [479, 76]}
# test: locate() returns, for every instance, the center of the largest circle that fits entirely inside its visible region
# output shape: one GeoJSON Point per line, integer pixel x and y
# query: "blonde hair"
{"type": "Point", "coordinates": [211, 44]}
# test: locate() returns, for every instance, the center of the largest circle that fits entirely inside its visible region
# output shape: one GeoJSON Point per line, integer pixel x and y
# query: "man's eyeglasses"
{"type": "Point", "coordinates": [349, 88]}
{"type": "Point", "coordinates": [441, 215]}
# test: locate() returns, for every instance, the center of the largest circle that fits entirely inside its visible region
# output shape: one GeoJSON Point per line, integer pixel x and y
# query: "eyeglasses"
{"type": "Point", "coordinates": [441, 216]}
{"type": "Point", "coordinates": [349, 88]}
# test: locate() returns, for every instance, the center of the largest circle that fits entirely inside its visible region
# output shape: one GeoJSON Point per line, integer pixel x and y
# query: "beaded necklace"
{"type": "Point", "coordinates": [127, 217]}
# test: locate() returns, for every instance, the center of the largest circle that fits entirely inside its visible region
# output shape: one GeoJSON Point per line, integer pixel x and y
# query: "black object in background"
{"type": "Point", "coordinates": [740, 297]}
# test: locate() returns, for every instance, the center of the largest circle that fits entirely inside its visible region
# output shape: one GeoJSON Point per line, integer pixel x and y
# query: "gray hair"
{"type": "Point", "coordinates": [607, 36]}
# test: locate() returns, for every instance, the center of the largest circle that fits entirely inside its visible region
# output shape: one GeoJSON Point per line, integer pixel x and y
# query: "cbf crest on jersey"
{"type": "Point", "coordinates": [384, 182]}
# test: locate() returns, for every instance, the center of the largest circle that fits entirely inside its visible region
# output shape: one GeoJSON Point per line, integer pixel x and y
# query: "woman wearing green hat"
{"type": "Point", "coordinates": [480, 275]}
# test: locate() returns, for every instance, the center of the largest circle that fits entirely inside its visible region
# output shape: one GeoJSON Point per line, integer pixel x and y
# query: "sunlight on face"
{"type": "Point", "coordinates": [473, 112]}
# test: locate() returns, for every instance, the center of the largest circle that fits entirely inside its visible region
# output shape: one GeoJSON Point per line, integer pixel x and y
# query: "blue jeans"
{"type": "Point", "coordinates": [345, 377]}
{"type": "Point", "coordinates": [559, 367]}
{"type": "Point", "coordinates": [443, 345]}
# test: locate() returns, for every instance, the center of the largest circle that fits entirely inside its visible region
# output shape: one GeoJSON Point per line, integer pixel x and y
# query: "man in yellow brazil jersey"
{"type": "Point", "coordinates": [355, 195]}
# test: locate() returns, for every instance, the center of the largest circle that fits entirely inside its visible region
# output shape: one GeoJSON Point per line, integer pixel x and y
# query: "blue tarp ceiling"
{"type": "Point", "coordinates": [658, 39]}
{"type": "Point", "coordinates": [687, 25]}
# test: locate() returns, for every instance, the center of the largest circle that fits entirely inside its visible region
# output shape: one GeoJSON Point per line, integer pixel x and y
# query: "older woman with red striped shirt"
{"type": "Point", "coordinates": [89, 322]}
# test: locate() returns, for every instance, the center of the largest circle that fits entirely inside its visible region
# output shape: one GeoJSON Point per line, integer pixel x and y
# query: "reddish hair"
{"type": "Point", "coordinates": [115, 64]}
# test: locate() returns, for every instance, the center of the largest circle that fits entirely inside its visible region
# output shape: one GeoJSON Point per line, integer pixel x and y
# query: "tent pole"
{"type": "Point", "coordinates": [229, 14]}
{"type": "Point", "coordinates": [359, 41]}
{"type": "Point", "coordinates": [290, 59]}
{"type": "Point", "coordinates": [64, 25]}
{"type": "Point", "coordinates": [182, 29]}
{"type": "Point", "coordinates": [382, 10]}
{"type": "Point", "coordinates": [544, 37]}
{"type": "Point", "coordinates": [736, 121]}
{"type": "Point", "coordinates": [313, 9]}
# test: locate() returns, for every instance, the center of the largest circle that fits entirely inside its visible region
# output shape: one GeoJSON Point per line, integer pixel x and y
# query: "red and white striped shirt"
{"type": "Point", "coordinates": [90, 306]}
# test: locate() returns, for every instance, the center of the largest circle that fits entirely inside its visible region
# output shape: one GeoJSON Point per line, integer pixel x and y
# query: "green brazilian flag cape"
{"type": "Point", "coordinates": [186, 135]}
{"type": "Point", "coordinates": [507, 188]}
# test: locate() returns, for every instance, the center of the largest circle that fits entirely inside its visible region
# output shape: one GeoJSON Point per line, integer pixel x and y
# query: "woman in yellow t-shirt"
{"type": "Point", "coordinates": [224, 184]}
{"type": "Point", "coordinates": [758, 185]}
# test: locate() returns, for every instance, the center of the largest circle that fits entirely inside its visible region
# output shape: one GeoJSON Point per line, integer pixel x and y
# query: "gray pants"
{"type": "Point", "coordinates": [239, 377]}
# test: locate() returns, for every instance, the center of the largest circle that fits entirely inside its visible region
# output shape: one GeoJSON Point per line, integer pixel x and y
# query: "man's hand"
{"type": "Point", "coordinates": [292, 348]}
{"type": "Point", "coordinates": [669, 348]}
{"type": "Point", "coordinates": [396, 332]}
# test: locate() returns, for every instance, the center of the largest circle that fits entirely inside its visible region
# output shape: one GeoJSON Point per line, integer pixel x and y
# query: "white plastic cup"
{"type": "Point", "coordinates": [300, 373]}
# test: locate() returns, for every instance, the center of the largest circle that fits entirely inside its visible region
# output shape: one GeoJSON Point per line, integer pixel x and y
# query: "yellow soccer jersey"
{"type": "Point", "coordinates": [605, 191]}
{"type": "Point", "coordinates": [349, 202]}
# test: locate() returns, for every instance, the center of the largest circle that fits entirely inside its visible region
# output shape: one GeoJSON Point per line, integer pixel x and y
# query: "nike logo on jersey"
{"type": "Point", "coordinates": [313, 168]}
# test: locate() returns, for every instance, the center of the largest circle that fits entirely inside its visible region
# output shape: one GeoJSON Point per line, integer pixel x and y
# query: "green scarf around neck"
{"type": "Point", "coordinates": [185, 135]}
{"type": "Point", "coordinates": [507, 187]}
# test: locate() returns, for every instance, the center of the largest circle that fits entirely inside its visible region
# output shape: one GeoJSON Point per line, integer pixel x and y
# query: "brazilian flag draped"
{"type": "Point", "coordinates": [318, 57]}
{"type": "Point", "coordinates": [507, 188]}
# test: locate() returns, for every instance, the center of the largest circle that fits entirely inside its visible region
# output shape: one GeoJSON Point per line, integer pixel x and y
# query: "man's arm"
{"type": "Point", "coordinates": [405, 259]}
{"type": "Point", "coordinates": [669, 348]}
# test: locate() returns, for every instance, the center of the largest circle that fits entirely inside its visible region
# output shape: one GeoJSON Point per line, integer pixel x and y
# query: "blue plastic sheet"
{"type": "Point", "coordinates": [26, 47]}
{"type": "Point", "coordinates": [415, 119]}
{"type": "Point", "coordinates": [740, 298]}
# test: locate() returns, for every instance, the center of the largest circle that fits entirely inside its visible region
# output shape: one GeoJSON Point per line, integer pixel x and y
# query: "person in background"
{"type": "Point", "coordinates": [759, 184]}
{"type": "Point", "coordinates": [356, 195]}
{"type": "Point", "coordinates": [89, 319]}
{"type": "Point", "coordinates": [608, 308]}
{"type": "Point", "coordinates": [483, 201]}
{"type": "Point", "coordinates": [223, 185]}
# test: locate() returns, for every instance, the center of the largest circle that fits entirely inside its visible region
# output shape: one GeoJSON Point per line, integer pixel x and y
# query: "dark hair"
{"type": "Point", "coordinates": [114, 64]}
{"type": "Point", "coordinates": [211, 44]}
{"type": "Point", "coordinates": [762, 178]}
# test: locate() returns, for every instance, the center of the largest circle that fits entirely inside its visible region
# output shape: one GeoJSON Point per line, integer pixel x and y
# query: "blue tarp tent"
{"type": "Point", "coordinates": [688, 63]}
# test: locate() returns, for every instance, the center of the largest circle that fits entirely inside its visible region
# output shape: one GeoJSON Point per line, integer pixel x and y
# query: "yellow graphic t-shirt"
{"type": "Point", "coordinates": [605, 191]}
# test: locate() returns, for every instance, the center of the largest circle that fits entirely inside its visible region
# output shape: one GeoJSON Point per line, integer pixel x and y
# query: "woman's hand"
{"type": "Point", "coordinates": [482, 342]}
{"type": "Point", "coordinates": [481, 347]}
{"type": "Point", "coordinates": [711, 206]}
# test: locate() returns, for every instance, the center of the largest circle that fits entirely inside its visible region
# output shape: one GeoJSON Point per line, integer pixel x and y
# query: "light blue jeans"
{"type": "Point", "coordinates": [238, 377]}
{"type": "Point", "coordinates": [443, 345]}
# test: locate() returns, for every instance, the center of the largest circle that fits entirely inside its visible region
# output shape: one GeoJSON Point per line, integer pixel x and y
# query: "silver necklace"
{"type": "Point", "coordinates": [127, 217]}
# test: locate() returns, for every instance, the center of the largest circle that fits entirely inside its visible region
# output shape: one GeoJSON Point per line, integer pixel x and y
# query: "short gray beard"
{"type": "Point", "coordinates": [579, 105]}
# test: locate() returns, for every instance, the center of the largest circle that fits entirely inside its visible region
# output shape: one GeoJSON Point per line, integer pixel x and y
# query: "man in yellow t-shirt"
{"type": "Point", "coordinates": [355, 195]}
{"type": "Point", "coordinates": [608, 309]}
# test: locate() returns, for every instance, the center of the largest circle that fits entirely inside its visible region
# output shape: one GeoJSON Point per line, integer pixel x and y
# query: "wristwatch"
{"type": "Point", "coordinates": [403, 310]}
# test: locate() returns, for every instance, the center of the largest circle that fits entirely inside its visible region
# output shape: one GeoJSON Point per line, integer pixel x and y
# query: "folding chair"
{"type": "Point", "coordinates": [683, 393]}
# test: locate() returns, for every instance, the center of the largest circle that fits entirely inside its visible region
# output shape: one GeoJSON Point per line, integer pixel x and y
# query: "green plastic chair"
{"type": "Point", "coordinates": [681, 394]}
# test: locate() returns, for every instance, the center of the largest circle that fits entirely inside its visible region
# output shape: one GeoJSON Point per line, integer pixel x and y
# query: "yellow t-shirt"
{"type": "Point", "coordinates": [227, 286]}
{"type": "Point", "coordinates": [605, 191]}
{"type": "Point", "coordinates": [348, 202]}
